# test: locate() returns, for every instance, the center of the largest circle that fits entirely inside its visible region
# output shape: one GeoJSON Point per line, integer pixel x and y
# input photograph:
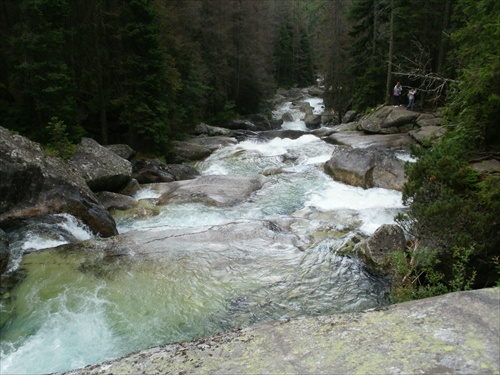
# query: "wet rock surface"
{"type": "Point", "coordinates": [453, 333]}
{"type": "Point", "coordinates": [222, 191]}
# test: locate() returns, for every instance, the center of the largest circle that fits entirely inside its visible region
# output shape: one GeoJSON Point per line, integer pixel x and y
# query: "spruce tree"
{"type": "Point", "coordinates": [39, 64]}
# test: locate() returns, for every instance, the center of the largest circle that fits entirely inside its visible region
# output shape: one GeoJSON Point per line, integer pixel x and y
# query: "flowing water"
{"type": "Point", "coordinates": [65, 315]}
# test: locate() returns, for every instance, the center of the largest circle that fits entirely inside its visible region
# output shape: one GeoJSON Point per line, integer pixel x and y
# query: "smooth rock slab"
{"type": "Point", "coordinates": [220, 191]}
{"type": "Point", "coordinates": [362, 140]}
{"type": "Point", "coordinates": [454, 333]}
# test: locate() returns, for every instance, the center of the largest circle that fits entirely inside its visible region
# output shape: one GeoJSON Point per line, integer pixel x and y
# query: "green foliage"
{"type": "Point", "coordinates": [453, 208]}
{"type": "Point", "coordinates": [417, 273]}
{"type": "Point", "coordinates": [414, 275]}
{"type": "Point", "coordinates": [475, 103]}
{"type": "Point", "coordinates": [59, 143]}
{"type": "Point", "coordinates": [228, 112]}
{"type": "Point", "coordinates": [293, 55]}
{"type": "Point", "coordinates": [37, 55]}
{"type": "Point", "coordinates": [369, 21]}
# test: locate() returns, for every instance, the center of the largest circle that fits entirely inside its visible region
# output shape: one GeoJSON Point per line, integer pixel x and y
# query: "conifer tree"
{"type": "Point", "coordinates": [369, 20]}
{"type": "Point", "coordinates": [149, 80]}
{"type": "Point", "coordinates": [39, 64]}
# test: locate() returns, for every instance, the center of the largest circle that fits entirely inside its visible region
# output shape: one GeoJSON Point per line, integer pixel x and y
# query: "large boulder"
{"type": "Point", "coordinates": [261, 121]}
{"type": "Point", "coordinates": [284, 133]}
{"type": "Point", "coordinates": [365, 168]}
{"type": "Point", "coordinates": [430, 134]}
{"type": "Point", "coordinates": [312, 121]}
{"type": "Point", "coordinates": [33, 185]}
{"type": "Point", "coordinates": [287, 116]}
{"type": "Point", "coordinates": [183, 172]}
{"type": "Point", "coordinates": [239, 124]}
{"type": "Point", "coordinates": [187, 151]}
{"type": "Point", "coordinates": [212, 131]}
{"type": "Point", "coordinates": [220, 191]}
{"type": "Point", "coordinates": [349, 116]}
{"type": "Point", "coordinates": [389, 120]}
{"type": "Point", "coordinates": [151, 170]}
{"type": "Point", "coordinates": [102, 169]}
{"type": "Point", "coordinates": [375, 251]}
{"type": "Point", "coordinates": [124, 151]}
{"type": "Point", "coordinates": [214, 142]}
{"type": "Point", "coordinates": [115, 201]}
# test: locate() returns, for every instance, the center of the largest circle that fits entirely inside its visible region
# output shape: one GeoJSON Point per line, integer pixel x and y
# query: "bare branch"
{"type": "Point", "coordinates": [418, 68]}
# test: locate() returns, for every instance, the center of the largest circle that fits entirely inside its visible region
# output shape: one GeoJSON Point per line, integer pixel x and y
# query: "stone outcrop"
{"type": "Point", "coordinates": [431, 134]}
{"type": "Point", "coordinates": [454, 333]}
{"type": "Point", "coordinates": [151, 170]}
{"type": "Point", "coordinates": [362, 140]}
{"type": "Point", "coordinates": [312, 121]}
{"type": "Point", "coordinates": [182, 172]}
{"type": "Point", "coordinates": [239, 124]}
{"type": "Point", "coordinates": [214, 142]}
{"type": "Point", "coordinates": [187, 151]}
{"type": "Point", "coordinates": [124, 151]}
{"type": "Point", "coordinates": [102, 169]}
{"type": "Point", "coordinates": [350, 116]}
{"type": "Point", "coordinates": [148, 171]}
{"type": "Point", "coordinates": [115, 201]}
{"type": "Point", "coordinates": [287, 116]}
{"type": "Point", "coordinates": [212, 131]}
{"type": "Point", "coordinates": [221, 191]}
{"type": "Point", "coordinates": [390, 120]}
{"type": "Point", "coordinates": [487, 166]}
{"type": "Point", "coordinates": [365, 168]}
{"type": "Point", "coordinates": [262, 122]}
{"type": "Point", "coordinates": [33, 185]}
{"type": "Point", "coordinates": [284, 133]}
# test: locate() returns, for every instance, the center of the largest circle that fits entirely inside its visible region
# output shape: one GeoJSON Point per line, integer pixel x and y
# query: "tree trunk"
{"type": "Point", "coordinates": [390, 57]}
{"type": "Point", "coordinates": [443, 43]}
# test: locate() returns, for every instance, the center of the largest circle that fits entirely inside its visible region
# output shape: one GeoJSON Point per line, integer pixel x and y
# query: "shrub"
{"type": "Point", "coordinates": [59, 143]}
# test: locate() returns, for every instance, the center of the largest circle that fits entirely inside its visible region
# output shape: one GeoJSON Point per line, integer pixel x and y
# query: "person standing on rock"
{"type": "Point", "coordinates": [397, 94]}
{"type": "Point", "coordinates": [411, 99]}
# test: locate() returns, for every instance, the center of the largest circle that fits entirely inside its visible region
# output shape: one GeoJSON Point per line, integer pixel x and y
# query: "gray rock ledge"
{"type": "Point", "coordinates": [454, 333]}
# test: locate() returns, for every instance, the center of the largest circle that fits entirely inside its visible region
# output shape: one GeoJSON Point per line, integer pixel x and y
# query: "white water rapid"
{"type": "Point", "coordinates": [62, 318]}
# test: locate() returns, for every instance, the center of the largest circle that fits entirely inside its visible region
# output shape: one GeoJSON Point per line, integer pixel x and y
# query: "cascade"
{"type": "Point", "coordinates": [70, 312]}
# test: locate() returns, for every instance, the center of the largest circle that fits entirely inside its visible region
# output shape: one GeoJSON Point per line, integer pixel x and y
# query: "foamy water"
{"type": "Point", "coordinates": [66, 318]}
